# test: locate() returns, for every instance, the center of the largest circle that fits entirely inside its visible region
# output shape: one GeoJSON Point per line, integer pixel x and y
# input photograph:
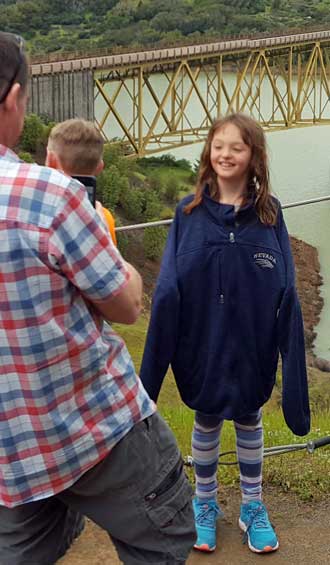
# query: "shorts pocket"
{"type": "Point", "coordinates": [169, 499]}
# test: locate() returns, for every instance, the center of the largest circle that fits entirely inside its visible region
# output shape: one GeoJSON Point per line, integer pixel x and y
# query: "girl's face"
{"type": "Point", "coordinates": [230, 157]}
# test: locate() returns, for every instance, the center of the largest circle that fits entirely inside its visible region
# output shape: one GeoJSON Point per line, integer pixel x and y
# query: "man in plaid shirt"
{"type": "Point", "coordinates": [78, 433]}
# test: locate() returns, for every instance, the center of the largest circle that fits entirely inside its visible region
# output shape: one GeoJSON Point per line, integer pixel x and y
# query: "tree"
{"type": "Point", "coordinates": [84, 24]}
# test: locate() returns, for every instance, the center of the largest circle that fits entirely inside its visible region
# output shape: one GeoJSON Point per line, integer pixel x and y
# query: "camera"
{"type": "Point", "coordinates": [89, 183]}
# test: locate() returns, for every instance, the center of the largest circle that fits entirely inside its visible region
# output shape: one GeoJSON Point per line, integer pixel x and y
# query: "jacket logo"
{"type": "Point", "coordinates": [264, 260]}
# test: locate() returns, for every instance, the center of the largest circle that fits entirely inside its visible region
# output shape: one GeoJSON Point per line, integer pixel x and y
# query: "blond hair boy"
{"type": "Point", "coordinates": [76, 147]}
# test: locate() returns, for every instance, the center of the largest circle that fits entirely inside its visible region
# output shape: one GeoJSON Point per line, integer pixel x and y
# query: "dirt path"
{"type": "Point", "coordinates": [303, 530]}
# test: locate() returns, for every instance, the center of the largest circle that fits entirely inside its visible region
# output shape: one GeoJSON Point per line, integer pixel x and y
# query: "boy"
{"type": "Point", "coordinates": [75, 147]}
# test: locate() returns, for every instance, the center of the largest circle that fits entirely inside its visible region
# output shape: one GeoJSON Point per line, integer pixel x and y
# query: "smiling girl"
{"type": "Point", "coordinates": [225, 305]}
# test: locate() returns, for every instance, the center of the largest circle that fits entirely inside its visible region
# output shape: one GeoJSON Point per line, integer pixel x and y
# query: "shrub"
{"type": "Point", "coordinates": [152, 205]}
{"type": "Point", "coordinates": [154, 239]}
{"type": "Point", "coordinates": [183, 164]}
{"type": "Point", "coordinates": [156, 183]}
{"type": "Point", "coordinates": [137, 179]}
{"type": "Point", "coordinates": [46, 131]}
{"type": "Point", "coordinates": [167, 160]}
{"type": "Point", "coordinates": [111, 186]}
{"type": "Point", "coordinates": [166, 213]}
{"type": "Point", "coordinates": [122, 242]}
{"type": "Point", "coordinates": [111, 154]}
{"type": "Point", "coordinates": [32, 133]}
{"type": "Point", "coordinates": [133, 204]}
{"type": "Point", "coordinates": [122, 238]}
{"type": "Point", "coordinates": [46, 119]}
{"type": "Point", "coordinates": [172, 189]}
{"type": "Point", "coordinates": [114, 153]}
{"type": "Point", "coordinates": [140, 204]}
{"type": "Point", "coordinates": [26, 156]}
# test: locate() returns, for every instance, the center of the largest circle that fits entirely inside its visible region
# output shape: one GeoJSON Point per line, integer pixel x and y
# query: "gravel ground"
{"type": "Point", "coordinates": [302, 528]}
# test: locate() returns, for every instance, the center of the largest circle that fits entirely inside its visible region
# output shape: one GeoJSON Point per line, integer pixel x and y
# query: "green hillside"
{"type": "Point", "coordinates": [89, 24]}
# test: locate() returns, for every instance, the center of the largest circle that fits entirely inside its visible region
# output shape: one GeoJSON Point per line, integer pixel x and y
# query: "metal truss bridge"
{"type": "Point", "coordinates": [157, 100]}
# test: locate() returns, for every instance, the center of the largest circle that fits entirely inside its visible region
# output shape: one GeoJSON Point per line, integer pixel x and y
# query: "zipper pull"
{"type": "Point", "coordinates": [232, 237]}
{"type": "Point", "coordinates": [222, 299]}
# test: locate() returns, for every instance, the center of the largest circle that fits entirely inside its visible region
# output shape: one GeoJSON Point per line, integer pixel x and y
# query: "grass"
{"type": "Point", "coordinates": [305, 474]}
{"type": "Point", "coordinates": [182, 175]}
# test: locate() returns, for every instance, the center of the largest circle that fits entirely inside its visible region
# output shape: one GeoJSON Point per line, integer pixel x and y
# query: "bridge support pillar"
{"type": "Point", "coordinates": [63, 96]}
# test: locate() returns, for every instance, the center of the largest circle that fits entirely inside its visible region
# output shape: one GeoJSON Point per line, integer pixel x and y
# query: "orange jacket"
{"type": "Point", "coordinates": [111, 223]}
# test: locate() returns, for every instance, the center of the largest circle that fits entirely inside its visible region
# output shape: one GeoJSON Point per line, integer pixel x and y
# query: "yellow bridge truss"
{"type": "Point", "coordinates": [159, 100]}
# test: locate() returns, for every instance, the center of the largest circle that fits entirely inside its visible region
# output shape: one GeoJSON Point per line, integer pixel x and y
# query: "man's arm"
{"type": "Point", "coordinates": [80, 247]}
{"type": "Point", "coordinates": [125, 307]}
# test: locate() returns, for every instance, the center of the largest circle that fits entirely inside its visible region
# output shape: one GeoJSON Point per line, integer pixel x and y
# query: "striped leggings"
{"type": "Point", "coordinates": [205, 452]}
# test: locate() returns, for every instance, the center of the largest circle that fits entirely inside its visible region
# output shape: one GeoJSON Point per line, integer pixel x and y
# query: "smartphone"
{"type": "Point", "coordinates": [89, 183]}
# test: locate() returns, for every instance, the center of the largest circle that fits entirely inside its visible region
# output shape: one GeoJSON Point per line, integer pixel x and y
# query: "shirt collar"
{"type": "Point", "coordinates": [226, 212]}
{"type": "Point", "coordinates": [8, 155]}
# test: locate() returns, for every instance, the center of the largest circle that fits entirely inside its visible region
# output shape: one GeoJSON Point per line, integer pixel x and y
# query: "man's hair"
{"type": "Point", "coordinates": [78, 146]}
{"type": "Point", "coordinates": [13, 63]}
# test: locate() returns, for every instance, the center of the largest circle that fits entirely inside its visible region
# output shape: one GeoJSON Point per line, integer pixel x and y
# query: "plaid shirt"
{"type": "Point", "coordinates": [68, 388]}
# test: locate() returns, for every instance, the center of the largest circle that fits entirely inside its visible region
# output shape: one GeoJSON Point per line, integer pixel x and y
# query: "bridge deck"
{"type": "Point", "coordinates": [177, 53]}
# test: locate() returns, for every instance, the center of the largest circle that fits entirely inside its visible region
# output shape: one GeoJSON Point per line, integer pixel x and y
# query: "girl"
{"type": "Point", "coordinates": [224, 306]}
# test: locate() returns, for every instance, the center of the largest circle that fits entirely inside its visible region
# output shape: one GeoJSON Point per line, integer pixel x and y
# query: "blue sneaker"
{"type": "Point", "coordinates": [255, 523]}
{"type": "Point", "coordinates": [206, 514]}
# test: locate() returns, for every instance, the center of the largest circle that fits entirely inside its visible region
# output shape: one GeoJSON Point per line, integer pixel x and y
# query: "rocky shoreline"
{"type": "Point", "coordinates": [309, 281]}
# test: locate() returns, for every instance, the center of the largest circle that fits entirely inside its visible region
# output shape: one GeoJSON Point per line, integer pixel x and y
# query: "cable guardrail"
{"type": "Point", "coordinates": [169, 221]}
{"type": "Point", "coordinates": [310, 447]}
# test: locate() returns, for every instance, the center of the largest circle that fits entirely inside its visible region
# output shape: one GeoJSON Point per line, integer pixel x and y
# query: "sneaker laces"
{"type": "Point", "coordinates": [207, 514]}
{"type": "Point", "coordinates": [257, 518]}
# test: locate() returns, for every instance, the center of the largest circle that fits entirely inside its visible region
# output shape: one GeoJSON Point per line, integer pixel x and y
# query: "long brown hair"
{"type": "Point", "coordinates": [258, 187]}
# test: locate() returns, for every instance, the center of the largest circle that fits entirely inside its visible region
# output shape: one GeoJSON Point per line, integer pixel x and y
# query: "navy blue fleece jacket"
{"type": "Point", "coordinates": [225, 305]}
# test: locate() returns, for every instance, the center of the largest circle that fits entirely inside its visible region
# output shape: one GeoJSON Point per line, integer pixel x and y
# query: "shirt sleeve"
{"type": "Point", "coordinates": [80, 247]}
{"type": "Point", "coordinates": [164, 320]}
{"type": "Point", "coordinates": [290, 330]}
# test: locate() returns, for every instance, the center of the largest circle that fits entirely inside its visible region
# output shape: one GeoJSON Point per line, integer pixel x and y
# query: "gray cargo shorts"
{"type": "Point", "coordinates": [139, 494]}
